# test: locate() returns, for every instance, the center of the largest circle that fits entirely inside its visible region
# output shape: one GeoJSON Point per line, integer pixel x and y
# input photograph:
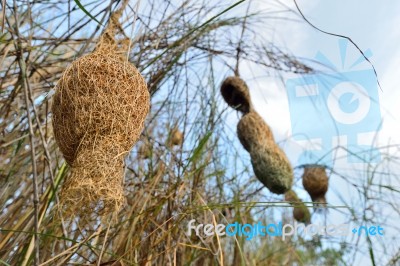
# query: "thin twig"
{"type": "Point", "coordinates": [25, 85]}
{"type": "Point", "coordinates": [3, 19]}
{"type": "Point", "coordinates": [341, 36]}
{"type": "Point", "coordinates": [104, 243]}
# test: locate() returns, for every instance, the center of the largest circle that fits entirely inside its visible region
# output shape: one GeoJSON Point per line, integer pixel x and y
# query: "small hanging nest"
{"type": "Point", "coordinates": [301, 213]}
{"type": "Point", "coordinates": [236, 94]}
{"type": "Point", "coordinates": [300, 210]}
{"type": "Point", "coordinates": [175, 138]}
{"type": "Point", "coordinates": [270, 164]}
{"type": "Point", "coordinates": [315, 182]}
{"type": "Point", "coordinates": [99, 108]}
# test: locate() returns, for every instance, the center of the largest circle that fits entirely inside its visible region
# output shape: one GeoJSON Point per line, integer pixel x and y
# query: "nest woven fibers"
{"type": "Point", "coordinates": [300, 210]}
{"type": "Point", "coordinates": [315, 182]}
{"type": "Point", "coordinates": [270, 164]}
{"type": "Point", "coordinates": [99, 108]}
{"type": "Point", "coordinates": [236, 94]}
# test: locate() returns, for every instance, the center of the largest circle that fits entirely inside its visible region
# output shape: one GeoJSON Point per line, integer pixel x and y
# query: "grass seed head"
{"type": "Point", "coordinates": [175, 138]}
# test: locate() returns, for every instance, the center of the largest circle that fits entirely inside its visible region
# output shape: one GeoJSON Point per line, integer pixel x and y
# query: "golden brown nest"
{"type": "Point", "coordinates": [99, 108]}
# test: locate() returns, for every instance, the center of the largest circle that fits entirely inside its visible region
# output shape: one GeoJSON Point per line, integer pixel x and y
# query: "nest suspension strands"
{"type": "Point", "coordinates": [315, 182]}
{"type": "Point", "coordinates": [99, 108]}
{"type": "Point", "coordinates": [270, 164]}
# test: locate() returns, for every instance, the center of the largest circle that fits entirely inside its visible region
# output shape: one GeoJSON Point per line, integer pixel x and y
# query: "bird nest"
{"type": "Point", "coordinates": [315, 182]}
{"type": "Point", "coordinates": [99, 108]}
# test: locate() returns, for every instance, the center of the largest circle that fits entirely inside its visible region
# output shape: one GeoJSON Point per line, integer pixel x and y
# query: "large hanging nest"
{"type": "Point", "coordinates": [315, 182]}
{"type": "Point", "coordinates": [236, 94]}
{"type": "Point", "coordinates": [300, 210]}
{"type": "Point", "coordinates": [270, 164]}
{"type": "Point", "coordinates": [99, 109]}
{"type": "Point", "coordinates": [252, 131]}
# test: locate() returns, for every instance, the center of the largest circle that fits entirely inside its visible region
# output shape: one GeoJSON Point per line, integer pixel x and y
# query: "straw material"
{"type": "Point", "coordinates": [315, 182]}
{"type": "Point", "coordinates": [270, 164]}
{"type": "Point", "coordinates": [236, 94]}
{"type": "Point", "coordinates": [99, 108]}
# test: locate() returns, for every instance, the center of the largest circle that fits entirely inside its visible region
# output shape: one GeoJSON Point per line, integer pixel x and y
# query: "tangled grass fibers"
{"type": "Point", "coordinates": [315, 182]}
{"type": "Point", "coordinates": [99, 109]}
{"type": "Point", "coordinates": [270, 164]}
{"type": "Point", "coordinates": [300, 210]}
{"type": "Point", "coordinates": [236, 93]}
{"type": "Point", "coordinates": [252, 131]}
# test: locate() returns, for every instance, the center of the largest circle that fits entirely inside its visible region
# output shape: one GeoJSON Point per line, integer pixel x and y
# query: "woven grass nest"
{"type": "Point", "coordinates": [300, 210]}
{"type": "Point", "coordinates": [315, 182]}
{"type": "Point", "coordinates": [269, 162]}
{"type": "Point", "coordinates": [236, 94]}
{"type": "Point", "coordinates": [99, 108]}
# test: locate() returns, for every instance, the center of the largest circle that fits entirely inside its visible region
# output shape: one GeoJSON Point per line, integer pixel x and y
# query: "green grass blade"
{"type": "Point", "coordinates": [199, 149]}
{"type": "Point", "coordinates": [86, 12]}
{"type": "Point", "coordinates": [2, 262]}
